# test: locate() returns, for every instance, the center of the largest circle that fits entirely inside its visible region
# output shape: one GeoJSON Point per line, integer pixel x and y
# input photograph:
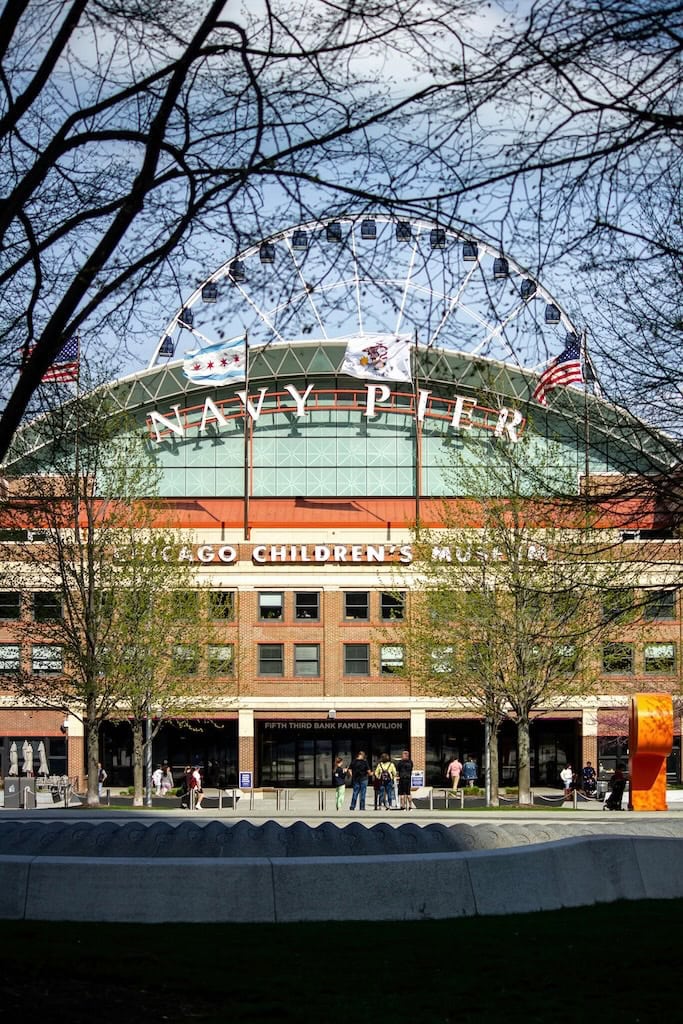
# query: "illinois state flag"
{"type": "Point", "coordinates": [225, 361]}
{"type": "Point", "coordinates": [378, 357]}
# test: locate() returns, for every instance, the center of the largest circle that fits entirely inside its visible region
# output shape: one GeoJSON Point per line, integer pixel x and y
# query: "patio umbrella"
{"type": "Point", "coordinates": [43, 769]}
{"type": "Point", "coordinates": [27, 751]}
{"type": "Point", "coordinates": [13, 759]}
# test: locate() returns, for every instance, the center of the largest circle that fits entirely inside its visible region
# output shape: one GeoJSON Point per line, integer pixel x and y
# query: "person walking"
{"type": "Point", "coordinates": [567, 776]}
{"type": "Point", "coordinates": [405, 771]}
{"type": "Point", "coordinates": [157, 776]}
{"type": "Point", "coordinates": [385, 772]}
{"type": "Point", "coordinates": [453, 772]}
{"type": "Point", "coordinates": [101, 779]}
{"type": "Point", "coordinates": [469, 771]}
{"type": "Point", "coordinates": [339, 773]}
{"type": "Point", "coordinates": [359, 779]}
{"type": "Point", "coordinates": [196, 788]}
{"type": "Point", "coordinates": [166, 779]}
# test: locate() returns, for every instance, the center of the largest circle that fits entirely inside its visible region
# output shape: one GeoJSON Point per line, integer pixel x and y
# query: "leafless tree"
{"type": "Point", "coordinates": [141, 137]}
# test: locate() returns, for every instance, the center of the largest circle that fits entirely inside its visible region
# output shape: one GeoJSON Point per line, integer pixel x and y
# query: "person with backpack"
{"type": "Point", "coordinates": [385, 772]}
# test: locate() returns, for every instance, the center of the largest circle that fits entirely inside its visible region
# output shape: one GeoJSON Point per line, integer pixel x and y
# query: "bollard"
{"type": "Point", "coordinates": [220, 799]}
{"type": "Point", "coordinates": [575, 799]}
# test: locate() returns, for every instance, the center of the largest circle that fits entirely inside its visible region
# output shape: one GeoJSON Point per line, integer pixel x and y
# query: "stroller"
{"type": "Point", "coordinates": [613, 797]}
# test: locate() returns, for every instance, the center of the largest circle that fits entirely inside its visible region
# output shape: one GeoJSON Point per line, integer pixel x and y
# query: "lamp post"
{"type": "Point", "coordinates": [64, 729]}
{"type": "Point", "coordinates": [148, 755]}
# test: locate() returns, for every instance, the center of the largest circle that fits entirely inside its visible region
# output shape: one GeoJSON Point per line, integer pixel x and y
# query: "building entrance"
{"type": "Point", "coordinates": [299, 754]}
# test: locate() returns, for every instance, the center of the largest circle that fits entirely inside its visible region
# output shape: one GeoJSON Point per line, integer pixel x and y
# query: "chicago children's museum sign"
{"type": "Point", "coordinates": [460, 412]}
{"type": "Point", "coordinates": [336, 554]}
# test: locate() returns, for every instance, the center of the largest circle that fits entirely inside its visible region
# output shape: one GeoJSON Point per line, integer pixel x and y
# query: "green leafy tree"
{"type": "Point", "coordinates": [107, 577]}
{"type": "Point", "coordinates": [509, 609]}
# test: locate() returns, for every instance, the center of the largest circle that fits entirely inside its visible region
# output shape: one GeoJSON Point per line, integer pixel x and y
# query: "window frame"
{"type": "Point", "coordinates": [225, 601]}
{"type": "Point", "coordinates": [350, 594]}
{"type": "Point", "coordinates": [670, 665]}
{"type": "Point", "coordinates": [299, 613]}
{"type": "Point", "coordinates": [41, 614]}
{"type": "Point", "coordinates": [186, 666]}
{"type": "Point", "coordinates": [392, 605]}
{"type": "Point", "coordinates": [261, 608]}
{"type": "Point", "coordinates": [660, 605]}
{"type": "Point", "coordinates": [185, 605]}
{"type": "Point", "coordinates": [212, 662]}
{"type": "Point", "coordinates": [348, 660]}
{"type": "Point", "coordinates": [37, 671]}
{"type": "Point", "coordinates": [313, 661]}
{"type": "Point", "coordinates": [5, 605]}
{"type": "Point", "coordinates": [281, 660]}
{"type": "Point", "coordinates": [385, 662]}
{"type": "Point", "coordinates": [624, 646]}
{"type": "Point", "coordinates": [16, 666]}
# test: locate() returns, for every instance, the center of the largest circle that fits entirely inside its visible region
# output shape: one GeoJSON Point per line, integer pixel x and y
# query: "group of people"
{"type": "Point", "coordinates": [468, 771]}
{"type": "Point", "coordinates": [386, 777]}
{"type": "Point", "coordinates": [162, 779]}
{"type": "Point", "coordinates": [584, 781]}
{"type": "Point", "coordinates": [192, 788]}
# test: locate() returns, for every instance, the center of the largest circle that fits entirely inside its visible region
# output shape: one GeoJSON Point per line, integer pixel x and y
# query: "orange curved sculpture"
{"type": "Point", "coordinates": [651, 730]}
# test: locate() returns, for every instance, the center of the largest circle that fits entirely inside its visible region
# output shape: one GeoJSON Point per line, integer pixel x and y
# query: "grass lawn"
{"type": "Point", "coordinates": [613, 963]}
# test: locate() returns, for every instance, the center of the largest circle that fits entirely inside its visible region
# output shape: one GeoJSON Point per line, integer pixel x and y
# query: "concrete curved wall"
{"type": "Point", "coordinates": [547, 876]}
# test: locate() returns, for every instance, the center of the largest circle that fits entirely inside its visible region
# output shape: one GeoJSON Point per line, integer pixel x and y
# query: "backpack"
{"type": "Point", "coordinates": [384, 776]}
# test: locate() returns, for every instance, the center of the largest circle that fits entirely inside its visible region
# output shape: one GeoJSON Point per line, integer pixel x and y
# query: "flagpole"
{"type": "Point", "coordinates": [418, 443]}
{"type": "Point", "coordinates": [247, 531]}
{"type": "Point", "coordinates": [586, 440]}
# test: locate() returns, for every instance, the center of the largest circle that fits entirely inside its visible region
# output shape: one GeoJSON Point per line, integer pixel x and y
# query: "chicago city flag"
{"type": "Point", "coordinates": [378, 357]}
{"type": "Point", "coordinates": [224, 361]}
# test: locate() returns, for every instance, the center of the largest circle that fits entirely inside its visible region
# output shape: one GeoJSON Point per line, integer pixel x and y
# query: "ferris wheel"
{"type": "Point", "coordinates": [350, 276]}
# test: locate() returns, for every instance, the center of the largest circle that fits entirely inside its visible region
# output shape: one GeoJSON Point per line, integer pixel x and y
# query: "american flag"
{"type": "Point", "coordinates": [565, 369]}
{"type": "Point", "coordinates": [65, 365]}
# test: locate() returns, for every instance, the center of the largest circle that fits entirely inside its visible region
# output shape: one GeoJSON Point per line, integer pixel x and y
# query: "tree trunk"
{"type": "Point", "coordinates": [138, 763]}
{"type": "Point", "coordinates": [524, 761]}
{"type": "Point", "coordinates": [493, 764]}
{"type": "Point", "coordinates": [93, 749]}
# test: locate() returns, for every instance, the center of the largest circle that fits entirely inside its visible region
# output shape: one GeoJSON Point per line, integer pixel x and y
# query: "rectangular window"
{"type": "Point", "coordinates": [567, 658]}
{"type": "Point", "coordinates": [47, 659]}
{"type": "Point", "coordinates": [660, 658]}
{"type": "Point", "coordinates": [306, 659]}
{"type": "Point", "coordinates": [47, 606]}
{"type": "Point", "coordinates": [271, 605]}
{"type": "Point", "coordinates": [221, 604]}
{"type": "Point", "coordinates": [618, 605]}
{"type": "Point", "coordinates": [392, 606]}
{"type": "Point", "coordinates": [307, 604]}
{"type": "Point", "coordinates": [220, 659]}
{"type": "Point", "coordinates": [617, 658]}
{"type": "Point", "coordinates": [185, 659]}
{"type": "Point", "coordinates": [10, 657]}
{"type": "Point", "coordinates": [357, 659]}
{"type": "Point", "coordinates": [660, 604]}
{"type": "Point", "coordinates": [10, 605]}
{"type": "Point", "coordinates": [104, 603]}
{"type": "Point", "coordinates": [442, 659]}
{"type": "Point", "coordinates": [185, 605]}
{"type": "Point", "coordinates": [271, 660]}
{"type": "Point", "coordinates": [357, 604]}
{"type": "Point", "coordinates": [391, 659]}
